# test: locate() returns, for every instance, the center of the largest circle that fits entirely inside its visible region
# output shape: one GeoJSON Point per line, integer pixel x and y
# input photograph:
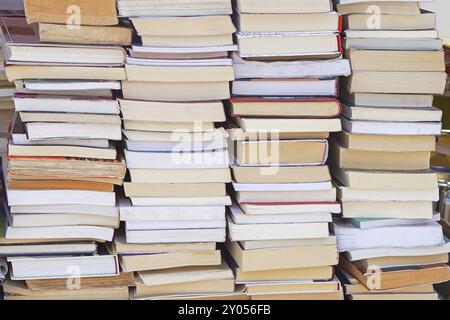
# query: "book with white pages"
{"type": "Point", "coordinates": [60, 197]}
{"type": "Point", "coordinates": [355, 255]}
{"type": "Point", "coordinates": [282, 186]}
{"type": "Point", "coordinates": [184, 49]}
{"type": "Point", "coordinates": [287, 208]}
{"type": "Point", "coordinates": [285, 87]}
{"type": "Point", "coordinates": [63, 219]}
{"type": "Point", "coordinates": [64, 85]}
{"type": "Point", "coordinates": [390, 194]}
{"type": "Point", "coordinates": [169, 213]}
{"type": "Point", "coordinates": [66, 209]}
{"type": "Point", "coordinates": [174, 225]}
{"type": "Point", "coordinates": [47, 130]}
{"type": "Point", "coordinates": [65, 117]}
{"type": "Point", "coordinates": [176, 236]}
{"type": "Point", "coordinates": [239, 217]}
{"type": "Point", "coordinates": [376, 223]}
{"type": "Point", "coordinates": [352, 238]}
{"type": "Point", "coordinates": [175, 146]}
{"type": "Point", "coordinates": [169, 160]}
{"type": "Point", "coordinates": [45, 249]}
{"type": "Point", "coordinates": [28, 268]}
{"type": "Point", "coordinates": [101, 234]}
{"type": "Point", "coordinates": [181, 202]}
{"type": "Point", "coordinates": [400, 44]}
{"type": "Point", "coordinates": [248, 69]}
{"type": "Point", "coordinates": [180, 63]}
{"type": "Point", "coordinates": [193, 137]}
{"type": "Point", "coordinates": [392, 114]}
{"type": "Point", "coordinates": [377, 34]}
{"type": "Point", "coordinates": [50, 103]}
{"type": "Point", "coordinates": [266, 244]}
{"type": "Point", "coordinates": [392, 128]}
{"type": "Point", "coordinates": [281, 231]}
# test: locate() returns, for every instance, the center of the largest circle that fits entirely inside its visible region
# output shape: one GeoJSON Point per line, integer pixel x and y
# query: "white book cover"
{"type": "Point", "coordinates": [60, 197]}
{"type": "Point", "coordinates": [175, 225]}
{"type": "Point", "coordinates": [352, 238]}
{"type": "Point", "coordinates": [173, 160]}
{"type": "Point", "coordinates": [280, 187]}
{"type": "Point", "coordinates": [169, 213]}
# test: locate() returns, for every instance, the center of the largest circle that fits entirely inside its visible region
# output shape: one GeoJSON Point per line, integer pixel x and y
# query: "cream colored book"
{"type": "Point", "coordinates": [180, 112]}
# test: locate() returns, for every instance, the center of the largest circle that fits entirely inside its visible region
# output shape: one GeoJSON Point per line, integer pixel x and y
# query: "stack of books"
{"type": "Point", "coordinates": [6, 108]}
{"type": "Point", "coordinates": [390, 238]}
{"type": "Point", "coordinates": [63, 165]}
{"type": "Point", "coordinates": [283, 108]}
{"type": "Point", "coordinates": [173, 211]}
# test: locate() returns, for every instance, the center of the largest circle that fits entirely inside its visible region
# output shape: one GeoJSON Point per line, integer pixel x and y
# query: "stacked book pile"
{"type": "Point", "coordinates": [6, 107]}
{"type": "Point", "coordinates": [63, 165]}
{"type": "Point", "coordinates": [175, 197]}
{"type": "Point", "coordinates": [283, 108]}
{"type": "Point", "coordinates": [391, 242]}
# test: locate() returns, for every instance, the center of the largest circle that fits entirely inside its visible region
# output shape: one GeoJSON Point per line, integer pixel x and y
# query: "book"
{"type": "Point", "coordinates": [281, 152]}
{"type": "Point", "coordinates": [288, 44]}
{"type": "Point", "coordinates": [388, 209]}
{"type": "Point", "coordinates": [387, 7]}
{"type": "Point", "coordinates": [176, 91]}
{"type": "Point", "coordinates": [387, 279]}
{"type": "Point", "coordinates": [258, 69]}
{"type": "Point", "coordinates": [376, 160]}
{"type": "Point", "coordinates": [136, 8]}
{"type": "Point", "coordinates": [86, 35]}
{"type": "Point", "coordinates": [367, 179]}
{"type": "Point", "coordinates": [397, 82]}
{"type": "Point", "coordinates": [266, 125]}
{"type": "Point", "coordinates": [351, 238]}
{"type": "Point", "coordinates": [185, 275]}
{"type": "Point", "coordinates": [169, 260]}
{"type": "Point", "coordinates": [268, 231]}
{"type": "Point", "coordinates": [184, 26]}
{"type": "Point", "coordinates": [181, 175]}
{"type": "Point", "coordinates": [423, 21]}
{"type": "Point", "coordinates": [392, 114]}
{"type": "Point", "coordinates": [17, 290]}
{"type": "Point", "coordinates": [295, 108]}
{"type": "Point", "coordinates": [119, 281]}
{"type": "Point", "coordinates": [133, 189]}
{"type": "Point", "coordinates": [283, 6]}
{"type": "Point", "coordinates": [388, 100]}
{"type": "Point", "coordinates": [290, 22]}
{"type": "Point", "coordinates": [174, 236]}
{"type": "Point", "coordinates": [282, 258]}
{"type": "Point", "coordinates": [42, 72]}
{"type": "Point", "coordinates": [60, 267]}
{"type": "Point", "coordinates": [177, 74]}
{"type": "Point", "coordinates": [302, 174]}
{"type": "Point", "coordinates": [390, 143]}
{"type": "Point", "coordinates": [182, 112]}
{"type": "Point", "coordinates": [94, 12]}
{"type": "Point", "coordinates": [286, 87]}
{"type": "Point", "coordinates": [61, 233]}
{"type": "Point", "coordinates": [387, 60]}
{"type": "Point", "coordinates": [391, 128]}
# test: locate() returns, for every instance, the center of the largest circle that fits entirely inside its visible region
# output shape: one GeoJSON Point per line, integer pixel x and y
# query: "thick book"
{"type": "Point", "coordinates": [392, 114]}
{"type": "Point", "coordinates": [286, 87]}
{"type": "Point", "coordinates": [281, 152]}
{"type": "Point", "coordinates": [139, 8]}
{"type": "Point", "coordinates": [352, 238]}
{"type": "Point", "coordinates": [92, 12]}
{"type": "Point", "coordinates": [278, 126]}
{"type": "Point", "coordinates": [24, 268]}
{"type": "Point", "coordinates": [376, 160]}
{"type": "Point", "coordinates": [392, 127]}
{"type": "Point", "coordinates": [274, 22]}
{"type": "Point", "coordinates": [423, 21]}
{"type": "Point", "coordinates": [285, 108]}
{"type": "Point", "coordinates": [289, 44]}
{"type": "Point", "coordinates": [181, 111]}
{"type": "Point", "coordinates": [257, 69]}
{"type": "Point", "coordinates": [388, 60]}
{"type": "Point", "coordinates": [284, 6]}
